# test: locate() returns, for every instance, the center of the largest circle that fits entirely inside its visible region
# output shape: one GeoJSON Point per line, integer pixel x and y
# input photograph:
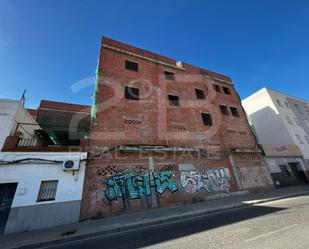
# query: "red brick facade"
{"type": "Point", "coordinates": [152, 121]}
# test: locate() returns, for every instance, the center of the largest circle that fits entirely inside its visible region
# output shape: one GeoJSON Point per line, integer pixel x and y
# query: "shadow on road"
{"type": "Point", "coordinates": [157, 234]}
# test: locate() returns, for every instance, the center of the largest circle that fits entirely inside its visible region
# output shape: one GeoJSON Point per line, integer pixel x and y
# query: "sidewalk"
{"type": "Point", "coordinates": [92, 228]}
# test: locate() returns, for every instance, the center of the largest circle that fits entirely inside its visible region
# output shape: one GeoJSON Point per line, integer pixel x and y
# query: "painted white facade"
{"type": "Point", "coordinates": [26, 212]}
{"type": "Point", "coordinates": [29, 175]}
{"type": "Point", "coordinates": [278, 118]}
{"type": "Point", "coordinates": [12, 112]}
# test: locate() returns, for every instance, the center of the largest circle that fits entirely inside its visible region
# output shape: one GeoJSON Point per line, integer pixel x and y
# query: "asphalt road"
{"type": "Point", "coordinates": [279, 224]}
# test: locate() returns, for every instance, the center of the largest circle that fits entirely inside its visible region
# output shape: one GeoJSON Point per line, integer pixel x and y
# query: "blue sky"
{"type": "Point", "coordinates": [47, 47]}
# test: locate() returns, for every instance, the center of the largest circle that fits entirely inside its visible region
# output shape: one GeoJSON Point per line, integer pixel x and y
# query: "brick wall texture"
{"type": "Point", "coordinates": [120, 181]}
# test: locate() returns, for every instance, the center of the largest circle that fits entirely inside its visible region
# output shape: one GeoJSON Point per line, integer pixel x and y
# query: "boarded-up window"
{"type": "Point", "coordinates": [48, 191]}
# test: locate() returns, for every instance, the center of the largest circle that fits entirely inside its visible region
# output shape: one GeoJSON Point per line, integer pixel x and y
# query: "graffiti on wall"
{"type": "Point", "coordinates": [211, 181]}
{"type": "Point", "coordinates": [131, 185]}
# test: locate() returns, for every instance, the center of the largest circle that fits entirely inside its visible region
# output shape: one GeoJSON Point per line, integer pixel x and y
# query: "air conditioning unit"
{"type": "Point", "coordinates": [70, 165]}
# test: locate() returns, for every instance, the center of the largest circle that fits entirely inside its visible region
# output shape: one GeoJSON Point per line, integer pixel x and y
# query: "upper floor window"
{"type": "Point", "coordinates": [169, 75]}
{"type": "Point", "coordinates": [173, 100]}
{"type": "Point", "coordinates": [298, 108]}
{"type": "Point", "coordinates": [287, 105]}
{"type": "Point", "coordinates": [131, 93]}
{"type": "Point", "coordinates": [299, 139]}
{"type": "Point", "coordinates": [226, 90]}
{"type": "Point", "coordinates": [234, 111]}
{"type": "Point", "coordinates": [217, 88]}
{"type": "Point", "coordinates": [289, 120]}
{"type": "Point", "coordinates": [207, 119]}
{"type": "Point", "coordinates": [133, 66]}
{"type": "Point", "coordinates": [297, 122]}
{"type": "Point", "coordinates": [224, 110]}
{"type": "Point", "coordinates": [279, 103]}
{"type": "Point", "coordinates": [48, 191]}
{"type": "Point", "coordinates": [199, 94]}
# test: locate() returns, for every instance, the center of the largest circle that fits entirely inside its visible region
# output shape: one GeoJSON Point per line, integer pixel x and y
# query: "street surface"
{"type": "Point", "coordinates": [278, 224]}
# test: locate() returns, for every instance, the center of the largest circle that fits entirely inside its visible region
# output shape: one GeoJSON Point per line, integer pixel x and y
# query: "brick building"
{"type": "Point", "coordinates": [164, 132]}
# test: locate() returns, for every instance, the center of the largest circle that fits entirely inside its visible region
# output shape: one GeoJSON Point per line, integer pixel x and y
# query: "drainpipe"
{"type": "Point", "coordinates": [154, 199]}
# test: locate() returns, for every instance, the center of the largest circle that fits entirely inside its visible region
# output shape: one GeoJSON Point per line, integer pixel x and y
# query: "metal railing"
{"type": "Point", "coordinates": [29, 142]}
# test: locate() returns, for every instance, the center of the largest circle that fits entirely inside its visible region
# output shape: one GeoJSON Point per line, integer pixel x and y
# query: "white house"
{"type": "Point", "coordinates": [41, 184]}
{"type": "Point", "coordinates": [281, 125]}
{"type": "Point", "coordinates": [43, 192]}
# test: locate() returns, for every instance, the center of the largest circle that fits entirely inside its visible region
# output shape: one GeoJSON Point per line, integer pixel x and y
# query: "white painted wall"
{"type": "Point", "coordinates": [23, 116]}
{"type": "Point", "coordinates": [293, 129]}
{"type": "Point", "coordinates": [29, 176]}
{"type": "Point", "coordinates": [8, 110]}
{"type": "Point", "coordinates": [11, 113]}
{"type": "Point", "coordinates": [264, 115]}
{"type": "Point", "coordinates": [271, 121]}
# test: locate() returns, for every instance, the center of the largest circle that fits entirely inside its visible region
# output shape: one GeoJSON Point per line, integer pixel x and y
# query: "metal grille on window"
{"type": "Point", "coordinates": [284, 170]}
{"type": "Point", "coordinates": [47, 191]}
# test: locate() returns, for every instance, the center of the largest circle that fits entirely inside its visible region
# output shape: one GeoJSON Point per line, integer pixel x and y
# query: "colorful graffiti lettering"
{"type": "Point", "coordinates": [211, 181]}
{"type": "Point", "coordinates": [163, 181]}
{"type": "Point", "coordinates": [131, 185]}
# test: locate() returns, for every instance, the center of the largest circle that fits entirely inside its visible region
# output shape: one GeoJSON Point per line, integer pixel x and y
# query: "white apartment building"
{"type": "Point", "coordinates": [281, 125]}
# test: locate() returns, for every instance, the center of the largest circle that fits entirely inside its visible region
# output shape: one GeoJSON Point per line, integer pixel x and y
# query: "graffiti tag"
{"type": "Point", "coordinates": [211, 181]}
{"type": "Point", "coordinates": [132, 185]}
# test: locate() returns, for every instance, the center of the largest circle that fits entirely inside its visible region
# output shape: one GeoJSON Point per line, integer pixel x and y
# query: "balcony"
{"type": "Point", "coordinates": [14, 143]}
{"type": "Point", "coordinates": [32, 138]}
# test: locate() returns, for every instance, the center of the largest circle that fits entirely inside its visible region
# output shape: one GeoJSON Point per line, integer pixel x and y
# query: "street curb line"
{"type": "Point", "coordinates": [154, 222]}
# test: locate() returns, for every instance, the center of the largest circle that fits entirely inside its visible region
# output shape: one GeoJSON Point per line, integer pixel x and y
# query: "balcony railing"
{"type": "Point", "coordinates": [29, 142]}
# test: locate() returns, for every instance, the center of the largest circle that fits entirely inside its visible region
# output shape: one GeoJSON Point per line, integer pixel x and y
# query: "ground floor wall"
{"type": "Point", "coordinates": [42, 216]}
{"type": "Point", "coordinates": [44, 195]}
{"type": "Point", "coordinates": [283, 172]}
{"type": "Point", "coordinates": [251, 170]}
{"type": "Point", "coordinates": [134, 182]}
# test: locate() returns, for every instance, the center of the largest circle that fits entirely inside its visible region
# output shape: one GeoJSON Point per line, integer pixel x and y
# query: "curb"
{"type": "Point", "coordinates": [155, 222]}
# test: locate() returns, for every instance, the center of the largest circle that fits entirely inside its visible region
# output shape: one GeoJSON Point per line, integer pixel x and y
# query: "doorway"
{"type": "Point", "coordinates": [298, 173]}
{"type": "Point", "coordinates": [7, 192]}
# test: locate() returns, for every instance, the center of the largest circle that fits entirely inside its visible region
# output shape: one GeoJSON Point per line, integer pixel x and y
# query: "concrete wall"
{"type": "Point", "coordinates": [35, 217]}
{"type": "Point", "coordinates": [276, 120]}
{"type": "Point", "coordinates": [252, 171]}
{"type": "Point", "coordinates": [300, 119]}
{"type": "Point", "coordinates": [27, 213]}
{"type": "Point", "coordinates": [264, 116]}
